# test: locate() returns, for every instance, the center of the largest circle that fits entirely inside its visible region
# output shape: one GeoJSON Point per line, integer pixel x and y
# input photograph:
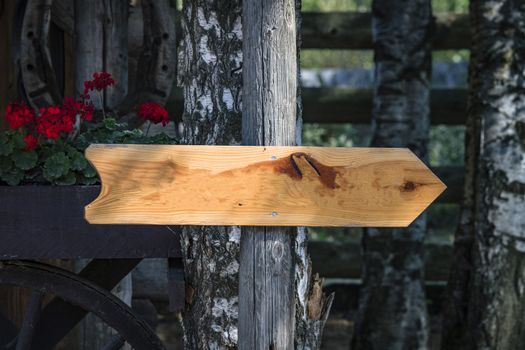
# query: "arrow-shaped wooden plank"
{"type": "Point", "coordinates": [267, 186]}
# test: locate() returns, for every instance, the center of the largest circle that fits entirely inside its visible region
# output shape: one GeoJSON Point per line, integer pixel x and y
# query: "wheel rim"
{"type": "Point", "coordinates": [43, 278]}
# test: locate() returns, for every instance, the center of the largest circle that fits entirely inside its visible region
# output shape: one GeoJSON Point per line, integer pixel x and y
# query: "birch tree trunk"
{"type": "Point", "coordinates": [312, 305]}
{"type": "Point", "coordinates": [392, 309]}
{"type": "Point", "coordinates": [496, 284]}
{"type": "Point", "coordinates": [211, 74]}
{"type": "Point", "coordinates": [210, 64]}
{"type": "Point", "coordinates": [455, 310]}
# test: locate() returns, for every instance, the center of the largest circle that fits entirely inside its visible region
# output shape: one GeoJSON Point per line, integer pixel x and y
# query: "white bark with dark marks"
{"type": "Point", "coordinates": [495, 285]}
{"type": "Point", "coordinates": [455, 309]}
{"type": "Point", "coordinates": [392, 310]}
{"type": "Point", "coordinates": [312, 306]}
{"type": "Point", "coordinates": [210, 63]}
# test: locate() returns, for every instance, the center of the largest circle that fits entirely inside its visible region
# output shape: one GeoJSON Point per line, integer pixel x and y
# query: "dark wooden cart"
{"type": "Point", "coordinates": [47, 222]}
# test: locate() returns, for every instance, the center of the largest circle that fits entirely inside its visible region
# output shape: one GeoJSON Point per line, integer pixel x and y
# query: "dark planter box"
{"type": "Point", "coordinates": [47, 222]}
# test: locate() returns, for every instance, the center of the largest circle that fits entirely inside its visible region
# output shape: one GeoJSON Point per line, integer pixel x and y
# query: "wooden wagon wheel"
{"type": "Point", "coordinates": [38, 331]}
{"type": "Point", "coordinates": [156, 60]}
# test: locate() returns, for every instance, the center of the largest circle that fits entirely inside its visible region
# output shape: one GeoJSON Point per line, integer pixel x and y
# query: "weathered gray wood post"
{"type": "Point", "coordinates": [101, 44]}
{"type": "Point", "coordinates": [266, 288]}
{"type": "Point", "coordinates": [101, 32]}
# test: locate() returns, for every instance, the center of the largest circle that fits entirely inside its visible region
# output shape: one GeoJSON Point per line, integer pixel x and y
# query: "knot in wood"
{"type": "Point", "coordinates": [277, 251]}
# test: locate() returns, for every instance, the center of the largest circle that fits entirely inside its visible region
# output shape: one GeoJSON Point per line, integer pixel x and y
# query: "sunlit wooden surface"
{"type": "Point", "coordinates": [267, 186]}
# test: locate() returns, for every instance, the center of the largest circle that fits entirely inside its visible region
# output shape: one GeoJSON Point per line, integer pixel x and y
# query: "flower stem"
{"type": "Point", "coordinates": [101, 104]}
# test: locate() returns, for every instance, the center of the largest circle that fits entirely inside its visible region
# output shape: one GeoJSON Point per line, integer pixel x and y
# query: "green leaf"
{"type": "Point", "coordinates": [25, 160]}
{"type": "Point", "coordinates": [89, 171]}
{"type": "Point", "coordinates": [78, 161]}
{"type": "Point", "coordinates": [18, 140]}
{"type": "Point", "coordinates": [134, 133]}
{"type": "Point", "coordinates": [6, 144]}
{"type": "Point", "coordinates": [5, 164]}
{"type": "Point", "coordinates": [13, 177]}
{"type": "Point", "coordinates": [110, 123]}
{"type": "Point", "coordinates": [56, 166]}
{"type": "Point", "coordinates": [68, 180]}
{"type": "Point", "coordinates": [87, 180]}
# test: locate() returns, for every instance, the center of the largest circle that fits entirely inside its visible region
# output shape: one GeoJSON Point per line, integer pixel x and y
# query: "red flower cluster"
{"type": "Point", "coordinates": [83, 108]}
{"type": "Point", "coordinates": [52, 121]}
{"type": "Point", "coordinates": [18, 115]}
{"type": "Point", "coordinates": [154, 113]}
{"type": "Point", "coordinates": [31, 142]}
{"type": "Point", "coordinates": [101, 80]}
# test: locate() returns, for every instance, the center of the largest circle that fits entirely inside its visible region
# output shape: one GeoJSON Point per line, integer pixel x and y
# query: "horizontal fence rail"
{"type": "Point", "coordinates": [330, 260]}
{"type": "Point", "coordinates": [344, 260]}
{"type": "Point", "coordinates": [352, 105]}
{"type": "Point", "coordinates": [330, 30]}
{"type": "Point", "coordinates": [343, 30]}
{"type": "Point", "coordinates": [353, 31]}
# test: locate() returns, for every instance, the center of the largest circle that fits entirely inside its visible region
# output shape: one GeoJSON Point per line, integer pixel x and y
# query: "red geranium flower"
{"type": "Point", "coordinates": [86, 111]}
{"type": "Point", "coordinates": [101, 80]}
{"type": "Point", "coordinates": [72, 108]}
{"type": "Point", "coordinates": [154, 113]}
{"type": "Point", "coordinates": [52, 121]}
{"type": "Point", "coordinates": [31, 142]}
{"type": "Point", "coordinates": [18, 115]}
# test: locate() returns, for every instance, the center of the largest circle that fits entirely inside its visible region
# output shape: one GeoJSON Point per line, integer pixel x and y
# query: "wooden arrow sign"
{"type": "Point", "coordinates": [259, 186]}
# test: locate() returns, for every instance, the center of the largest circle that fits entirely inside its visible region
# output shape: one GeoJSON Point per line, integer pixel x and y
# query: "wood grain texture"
{"type": "Point", "coordinates": [259, 186]}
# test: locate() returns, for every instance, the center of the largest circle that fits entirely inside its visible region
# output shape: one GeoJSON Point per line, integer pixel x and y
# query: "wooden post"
{"type": "Point", "coordinates": [89, 43]}
{"type": "Point", "coordinates": [266, 288]}
{"type": "Point", "coordinates": [116, 49]}
{"type": "Point", "coordinates": [101, 32]}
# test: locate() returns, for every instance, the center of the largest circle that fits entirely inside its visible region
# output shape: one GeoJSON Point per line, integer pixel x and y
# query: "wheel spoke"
{"type": "Point", "coordinates": [32, 314]}
{"type": "Point", "coordinates": [82, 293]}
